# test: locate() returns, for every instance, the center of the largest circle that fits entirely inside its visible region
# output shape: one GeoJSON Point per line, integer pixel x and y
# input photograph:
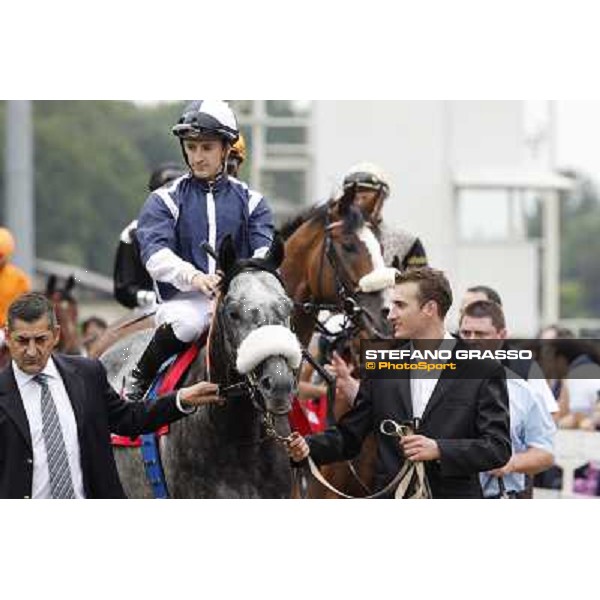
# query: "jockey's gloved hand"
{"type": "Point", "coordinates": [145, 298]}
{"type": "Point", "coordinates": [206, 284]}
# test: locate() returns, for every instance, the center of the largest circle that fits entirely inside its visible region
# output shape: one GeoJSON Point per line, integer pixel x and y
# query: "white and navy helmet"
{"type": "Point", "coordinates": [207, 117]}
{"type": "Point", "coordinates": [367, 175]}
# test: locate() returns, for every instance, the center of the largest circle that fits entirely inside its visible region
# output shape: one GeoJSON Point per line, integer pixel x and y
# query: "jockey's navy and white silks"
{"type": "Point", "coordinates": [177, 219]}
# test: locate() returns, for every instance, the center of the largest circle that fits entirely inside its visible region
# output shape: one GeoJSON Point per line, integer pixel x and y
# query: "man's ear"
{"type": "Point", "coordinates": [503, 333]}
{"type": "Point", "coordinates": [430, 308]}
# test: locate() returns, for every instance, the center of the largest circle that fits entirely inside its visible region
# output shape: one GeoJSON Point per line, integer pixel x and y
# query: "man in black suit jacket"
{"type": "Point", "coordinates": [87, 407]}
{"type": "Point", "coordinates": [464, 418]}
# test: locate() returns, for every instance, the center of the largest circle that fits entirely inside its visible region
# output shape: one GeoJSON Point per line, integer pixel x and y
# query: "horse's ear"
{"type": "Point", "coordinates": [274, 256]}
{"type": "Point", "coordinates": [69, 285]}
{"type": "Point", "coordinates": [347, 200]}
{"type": "Point", "coordinates": [50, 285]}
{"type": "Point", "coordinates": [227, 254]}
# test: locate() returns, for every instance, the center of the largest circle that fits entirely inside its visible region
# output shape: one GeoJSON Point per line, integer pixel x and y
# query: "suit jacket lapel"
{"type": "Point", "coordinates": [445, 382]}
{"type": "Point", "coordinates": [74, 386]}
{"type": "Point", "coordinates": [406, 396]}
{"type": "Point", "coordinates": [12, 403]}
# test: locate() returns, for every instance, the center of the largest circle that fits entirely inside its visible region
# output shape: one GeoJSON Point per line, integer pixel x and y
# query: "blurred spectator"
{"type": "Point", "coordinates": [577, 363]}
{"type": "Point", "coordinates": [133, 286]}
{"type": "Point", "coordinates": [91, 330]}
{"type": "Point", "coordinates": [236, 157]}
{"type": "Point", "coordinates": [13, 281]}
{"type": "Point", "coordinates": [553, 332]}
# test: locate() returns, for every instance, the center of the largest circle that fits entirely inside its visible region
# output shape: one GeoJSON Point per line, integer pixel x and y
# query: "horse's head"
{"type": "Point", "coordinates": [251, 335]}
{"type": "Point", "coordinates": [65, 307]}
{"type": "Point", "coordinates": [334, 258]}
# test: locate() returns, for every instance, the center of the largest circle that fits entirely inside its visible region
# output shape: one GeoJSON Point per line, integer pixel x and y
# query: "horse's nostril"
{"type": "Point", "coordinates": [266, 383]}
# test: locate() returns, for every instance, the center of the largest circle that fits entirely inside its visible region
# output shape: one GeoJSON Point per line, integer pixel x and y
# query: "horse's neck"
{"type": "Point", "coordinates": [297, 264]}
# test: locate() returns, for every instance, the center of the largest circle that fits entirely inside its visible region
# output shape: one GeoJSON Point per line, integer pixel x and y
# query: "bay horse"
{"type": "Point", "coordinates": [234, 450]}
{"type": "Point", "coordinates": [334, 261]}
{"type": "Point", "coordinates": [67, 314]}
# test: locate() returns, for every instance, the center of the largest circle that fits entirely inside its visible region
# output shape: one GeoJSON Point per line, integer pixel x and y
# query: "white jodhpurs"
{"type": "Point", "coordinates": [189, 314]}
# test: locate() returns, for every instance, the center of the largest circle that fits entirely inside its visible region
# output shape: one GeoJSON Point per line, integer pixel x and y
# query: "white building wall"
{"type": "Point", "coordinates": [512, 270]}
{"type": "Point", "coordinates": [421, 145]}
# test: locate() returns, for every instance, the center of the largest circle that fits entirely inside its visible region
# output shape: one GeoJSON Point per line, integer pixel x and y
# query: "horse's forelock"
{"type": "Point", "coordinates": [353, 220]}
{"type": "Point", "coordinates": [262, 286]}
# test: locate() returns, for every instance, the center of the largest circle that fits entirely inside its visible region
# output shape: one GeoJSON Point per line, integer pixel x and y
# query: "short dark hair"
{"type": "Point", "coordinates": [486, 308]}
{"type": "Point", "coordinates": [561, 332]}
{"type": "Point", "coordinates": [433, 285]}
{"type": "Point", "coordinates": [30, 307]}
{"type": "Point", "coordinates": [491, 293]}
{"type": "Point", "coordinates": [93, 320]}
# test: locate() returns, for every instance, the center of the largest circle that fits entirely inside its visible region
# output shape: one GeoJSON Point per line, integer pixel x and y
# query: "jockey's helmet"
{"type": "Point", "coordinates": [369, 176]}
{"type": "Point", "coordinates": [207, 117]}
{"type": "Point", "coordinates": [238, 150]}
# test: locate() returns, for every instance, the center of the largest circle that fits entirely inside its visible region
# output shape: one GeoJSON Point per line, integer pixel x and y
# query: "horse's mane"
{"type": "Point", "coordinates": [316, 213]}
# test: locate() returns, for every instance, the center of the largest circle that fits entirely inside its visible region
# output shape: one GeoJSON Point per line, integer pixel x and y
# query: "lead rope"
{"type": "Point", "coordinates": [411, 472]}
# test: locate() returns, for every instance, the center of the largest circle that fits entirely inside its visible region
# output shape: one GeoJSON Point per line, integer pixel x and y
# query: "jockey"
{"type": "Point", "coordinates": [13, 281]}
{"type": "Point", "coordinates": [202, 206]}
{"type": "Point", "coordinates": [237, 155]}
{"type": "Point", "coordinates": [401, 249]}
{"type": "Point", "coordinates": [133, 286]}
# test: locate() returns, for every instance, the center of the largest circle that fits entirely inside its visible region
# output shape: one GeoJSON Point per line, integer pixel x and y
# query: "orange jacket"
{"type": "Point", "coordinates": [13, 283]}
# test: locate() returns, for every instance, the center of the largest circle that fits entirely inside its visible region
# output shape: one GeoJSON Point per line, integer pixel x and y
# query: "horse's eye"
{"type": "Point", "coordinates": [349, 246]}
{"type": "Point", "coordinates": [234, 314]}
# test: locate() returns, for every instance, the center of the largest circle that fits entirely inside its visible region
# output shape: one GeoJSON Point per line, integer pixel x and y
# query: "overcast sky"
{"type": "Point", "coordinates": [578, 135]}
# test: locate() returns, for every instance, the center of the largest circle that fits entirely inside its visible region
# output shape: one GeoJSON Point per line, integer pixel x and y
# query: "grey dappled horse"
{"type": "Point", "coordinates": [229, 451]}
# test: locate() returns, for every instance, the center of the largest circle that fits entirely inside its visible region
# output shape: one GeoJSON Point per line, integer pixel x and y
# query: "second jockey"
{"type": "Point", "coordinates": [204, 205]}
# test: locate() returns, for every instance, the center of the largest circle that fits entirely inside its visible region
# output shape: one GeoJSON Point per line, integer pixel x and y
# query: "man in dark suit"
{"type": "Point", "coordinates": [463, 415]}
{"type": "Point", "coordinates": [57, 413]}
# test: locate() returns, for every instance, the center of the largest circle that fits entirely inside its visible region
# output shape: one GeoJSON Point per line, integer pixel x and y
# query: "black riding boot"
{"type": "Point", "coordinates": [162, 346]}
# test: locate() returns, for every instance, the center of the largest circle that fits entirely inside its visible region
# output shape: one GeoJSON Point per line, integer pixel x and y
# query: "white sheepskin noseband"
{"type": "Point", "coordinates": [378, 280]}
{"type": "Point", "coordinates": [270, 340]}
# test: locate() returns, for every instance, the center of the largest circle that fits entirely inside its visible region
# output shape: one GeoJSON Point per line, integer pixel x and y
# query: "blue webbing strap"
{"type": "Point", "coordinates": [150, 452]}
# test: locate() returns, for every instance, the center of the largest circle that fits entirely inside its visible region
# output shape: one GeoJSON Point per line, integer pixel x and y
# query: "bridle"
{"type": "Point", "coordinates": [357, 318]}
{"type": "Point", "coordinates": [247, 385]}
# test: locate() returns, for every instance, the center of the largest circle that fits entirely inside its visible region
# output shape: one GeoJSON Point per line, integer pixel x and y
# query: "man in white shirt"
{"type": "Point", "coordinates": [57, 413]}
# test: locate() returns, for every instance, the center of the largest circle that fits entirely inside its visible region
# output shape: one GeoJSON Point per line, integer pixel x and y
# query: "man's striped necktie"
{"type": "Point", "coordinates": [61, 483]}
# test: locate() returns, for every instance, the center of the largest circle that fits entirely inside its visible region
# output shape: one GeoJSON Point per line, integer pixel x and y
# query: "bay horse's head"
{"type": "Point", "coordinates": [333, 260]}
{"type": "Point", "coordinates": [65, 307]}
{"type": "Point", "coordinates": [250, 338]}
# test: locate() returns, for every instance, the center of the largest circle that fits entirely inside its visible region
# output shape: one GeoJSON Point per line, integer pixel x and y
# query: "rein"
{"type": "Point", "coordinates": [346, 289]}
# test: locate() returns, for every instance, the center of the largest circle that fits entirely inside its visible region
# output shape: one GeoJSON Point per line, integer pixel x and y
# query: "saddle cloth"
{"type": "Point", "coordinates": [169, 380]}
